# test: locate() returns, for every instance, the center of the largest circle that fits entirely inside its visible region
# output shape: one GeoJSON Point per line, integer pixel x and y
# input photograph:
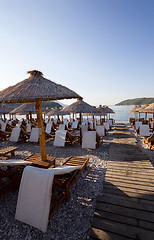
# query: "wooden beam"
{"type": "Point", "coordinates": [41, 129]}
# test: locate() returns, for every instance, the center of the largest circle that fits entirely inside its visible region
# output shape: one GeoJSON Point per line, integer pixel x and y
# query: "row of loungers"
{"type": "Point", "coordinates": [144, 129]}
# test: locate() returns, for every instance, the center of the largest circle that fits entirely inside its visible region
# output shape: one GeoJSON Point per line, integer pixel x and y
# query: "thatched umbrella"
{"type": "Point", "coordinates": [25, 109]}
{"type": "Point", "coordinates": [105, 110]}
{"type": "Point", "coordinates": [5, 110]}
{"type": "Point", "coordinates": [56, 112]}
{"type": "Point", "coordinates": [150, 109]}
{"type": "Point", "coordinates": [142, 110]}
{"type": "Point", "coordinates": [135, 108]}
{"type": "Point", "coordinates": [80, 107]}
{"type": "Point", "coordinates": [36, 88]}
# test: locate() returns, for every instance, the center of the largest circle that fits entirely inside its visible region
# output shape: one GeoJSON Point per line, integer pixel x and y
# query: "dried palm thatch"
{"type": "Point", "coordinates": [5, 110]}
{"type": "Point", "coordinates": [25, 108]}
{"type": "Point", "coordinates": [150, 108]}
{"type": "Point", "coordinates": [105, 110]}
{"type": "Point", "coordinates": [36, 87]}
{"type": "Point", "coordinates": [54, 112]}
{"type": "Point", "coordinates": [134, 108]}
{"type": "Point", "coordinates": [142, 109]}
{"type": "Point", "coordinates": [80, 107]}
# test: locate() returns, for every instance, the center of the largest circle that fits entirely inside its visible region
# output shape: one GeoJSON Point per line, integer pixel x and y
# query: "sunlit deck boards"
{"type": "Point", "coordinates": [125, 210]}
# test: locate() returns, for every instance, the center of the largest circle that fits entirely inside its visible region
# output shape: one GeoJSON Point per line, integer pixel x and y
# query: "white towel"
{"type": "Point", "coordinates": [13, 162]}
{"type": "Point", "coordinates": [34, 197]}
{"type": "Point", "coordinates": [35, 194]}
{"type": "Point", "coordinates": [65, 169]}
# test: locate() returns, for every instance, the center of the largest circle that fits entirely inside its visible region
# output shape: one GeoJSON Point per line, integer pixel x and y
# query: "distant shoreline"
{"type": "Point", "coordinates": [136, 101]}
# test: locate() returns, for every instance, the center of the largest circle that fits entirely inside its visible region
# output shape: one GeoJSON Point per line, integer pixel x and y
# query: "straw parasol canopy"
{"type": "Point", "coordinates": [141, 109]}
{"type": "Point", "coordinates": [134, 108]}
{"type": "Point", "coordinates": [105, 110]}
{"type": "Point", "coordinates": [150, 108]}
{"type": "Point", "coordinates": [5, 110]}
{"type": "Point", "coordinates": [54, 112]}
{"type": "Point", "coordinates": [80, 107]}
{"type": "Point", "coordinates": [25, 108]}
{"type": "Point", "coordinates": [36, 88]}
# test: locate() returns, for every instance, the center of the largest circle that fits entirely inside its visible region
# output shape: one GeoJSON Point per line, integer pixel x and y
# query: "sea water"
{"type": "Point", "coordinates": [122, 113]}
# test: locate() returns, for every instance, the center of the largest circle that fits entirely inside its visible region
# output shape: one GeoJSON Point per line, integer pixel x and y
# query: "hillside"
{"type": "Point", "coordinates": [136, 101]}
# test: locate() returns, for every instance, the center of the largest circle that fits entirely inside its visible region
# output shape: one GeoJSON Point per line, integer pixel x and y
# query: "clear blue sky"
{"type": "Point", "coordinates": [102, 49]}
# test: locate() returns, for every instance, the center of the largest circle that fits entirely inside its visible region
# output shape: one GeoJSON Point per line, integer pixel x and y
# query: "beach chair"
{"type": "Point", "coordinates": [29, 129]}
{"type": "Point", "coordinates": [150, 141]}
{"type": "Point", "coordinates": [137, 126]}
{"type": "Point", "coordinates": [34, 136]}
{"type": "Point", "coordinates": [13, 171]}
{"type": "Point", "coordinates": [144, 130]}
{"type": "Point", "coordinates": [8, 150]}
{"type": "Point", "coordinates": [61, 127]}
{"type": "Point", "coordinates": [15, 134]}
{"type": "Point", "coordinates": [3, 126]}
{"type": "Point", "coordinates": [89, 140]}
{"type": "Point", "coordinates": [60, 138]}
{"type": "Point", "coordinates": [38, 185]}
{"type": "Point", "coordinates": [48, 128]}
{"type": "Point", "coordinates": [4, 135]}
{"type": "Point", "coordinates": [75, 125]}
{"type": "Point", "coordinates": [106, 125]}
{"type": "Point", "coordinates": [100, 130]}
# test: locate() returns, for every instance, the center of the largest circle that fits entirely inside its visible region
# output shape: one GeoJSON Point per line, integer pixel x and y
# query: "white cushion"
{"type": "Point", "coordinates": [15, 134]}
{"type": "Point", "coordinates": [144, 130]}
{"type": "Point", "coordinates": [100, 130]}
{"type": "Point", "coordinates": [89, 139]}
{"type": "Point", "coordinates": [60, 137]}
{"type": "Point", "coordinates": [34, 136]}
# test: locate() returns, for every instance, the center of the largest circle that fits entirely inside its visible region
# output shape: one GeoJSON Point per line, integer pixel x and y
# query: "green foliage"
{"type": "Point", "coordinates": [136, 101]}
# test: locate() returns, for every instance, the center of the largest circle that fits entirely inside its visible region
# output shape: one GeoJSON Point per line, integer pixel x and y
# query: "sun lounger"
{"type": "Point", "coordinates": [106, 125]}
{"type": "Point", "coordinates": [15, 134]}
{"type": "Point", "coordinates": [34, 136]}
{"type": "Point", "coordinates": [48, 128]}
{"type": "Point", "coordinates": [8, 150]}
{"type": "Point", "coordinates": [61, 127]}
{"type": "Point", "coordinates": [33, 205]}
{"type": "Point", "coordinates": [13, 171]}
{"type": "Point", "coordinates": [150, 141]}
{"type": "Point", "coordinates": [62, 184]}
{"type": "Point", "coordinates": [4, 135]}
{"type": "Point", "coordinates": [3, 126]}
{"type": "Point", "coordinates": [144, 130]}
{"type": "Point", "coordinates": [100, 130]}
{"type": "Point", "coordinates": [89, 140]}
{"type": "Point", "coordinates": [60, 138]}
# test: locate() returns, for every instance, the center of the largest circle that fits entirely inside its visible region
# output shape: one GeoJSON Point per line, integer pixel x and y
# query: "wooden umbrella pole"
{"type": "Point", "coordinates": [41, 129]}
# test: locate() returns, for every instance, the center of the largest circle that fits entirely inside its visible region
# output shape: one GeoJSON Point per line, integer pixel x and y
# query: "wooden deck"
{"type": "Point", "coordinates": [125, 210]}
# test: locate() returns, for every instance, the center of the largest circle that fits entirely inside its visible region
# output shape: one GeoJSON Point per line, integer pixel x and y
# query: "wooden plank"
{"type": "Point", "coordinates": [125, 211]}
{"type": "Point", "coordinates": [134, 180]}
{"type": "Point", "coordinates": [125, 202]}
{"type": "Point", "coordinates": [129, 188]}
{"type": "Point", "coordinates": [126, 197]}
{"type": "Point", "coordinates": [115, 217]}
{"type": "Point", "coordinates": [130, 185]}
{"type": "Point", "coordinates": [129, 193]}
{"type": "Point", "coordinates": [124, 229]}
{"type": "Point", "coordinates": [96, 233]}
